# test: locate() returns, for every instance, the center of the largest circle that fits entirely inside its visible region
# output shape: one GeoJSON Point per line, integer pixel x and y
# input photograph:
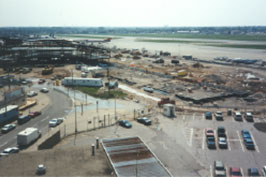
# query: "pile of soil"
{"type": "Point", "coordinates": [260, 126]}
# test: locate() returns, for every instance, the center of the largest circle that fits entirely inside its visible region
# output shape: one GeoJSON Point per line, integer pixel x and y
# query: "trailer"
{"type": "Point", "coordinates": [28, 136]}
{"type": "Point", "coordinates": [8, 113]}
{"type": "Point", "coordinates": [87, 82]}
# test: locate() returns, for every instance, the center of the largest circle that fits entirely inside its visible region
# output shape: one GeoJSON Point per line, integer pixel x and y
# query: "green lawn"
{"type": "Point", "coordinates": [95, 92]}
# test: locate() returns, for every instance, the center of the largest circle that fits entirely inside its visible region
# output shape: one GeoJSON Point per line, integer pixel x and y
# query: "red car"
{"type": "Point", "coordinates": [234, 172]}
{"type": "Point", "coordinates": [34, 114]}
{"type": "Point", "coordinates": [41, 81]}
{"type": "Point", "coordinates": [209, 132]}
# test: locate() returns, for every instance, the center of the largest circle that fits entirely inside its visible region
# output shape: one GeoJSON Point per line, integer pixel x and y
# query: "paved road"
{"type": "Point", "coordinates": [59, 106]}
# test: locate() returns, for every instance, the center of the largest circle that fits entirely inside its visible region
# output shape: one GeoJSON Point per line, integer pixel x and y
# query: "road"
{"type": "Point", "coordinates": [59, 106]}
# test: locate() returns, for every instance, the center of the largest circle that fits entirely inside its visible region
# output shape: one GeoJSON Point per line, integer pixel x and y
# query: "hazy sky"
{"type": "Point", "coordinates": [132, 12]}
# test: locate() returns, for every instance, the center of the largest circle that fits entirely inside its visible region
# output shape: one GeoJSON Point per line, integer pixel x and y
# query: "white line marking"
{"type": "Point", "coordinates": [203, 116]}
{"type": "Point", "coordinates": [45, 118]}
{"type": "Point", "coordinates": [211, 171]}
{"type": "Point", "coordinates": [233, 118]}
{"type": "Point", "coordinates": [203, 139]}
{"type": "Point", "coordinates": [242, 172]}
{"type": "Point", "coordinates": [191, 135]}
{"type": "Point", "coordinates": [193, 116]}
{"type": "Point", "coordinates": [3, 144]}
{"type": "Point", "coordinates": [257, 148]}
{"type": "Point", "coordinates": [242, 146]}
{"type": "Point", "coordinates": [183, 117]}
{"type": "Point", "coordinates": [228, 141]}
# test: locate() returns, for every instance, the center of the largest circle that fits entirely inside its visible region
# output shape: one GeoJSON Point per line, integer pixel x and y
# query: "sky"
{"type": "Point", "coordinates": [132, 13]}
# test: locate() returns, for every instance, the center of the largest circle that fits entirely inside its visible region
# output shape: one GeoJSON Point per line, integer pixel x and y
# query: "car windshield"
{"type": "Point", "coordinates": [236, 173]}
{"type": "Point", "coordinates": [53, 120]}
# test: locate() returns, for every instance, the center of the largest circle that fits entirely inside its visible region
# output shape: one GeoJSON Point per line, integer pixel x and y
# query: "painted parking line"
{"type": "Point", "coordinates": [193, 116]}
{"type": "Point", "coordinates": [203, 116]}
{"type": "Point", "coordinates": [242, 171]}
{"type": "Point", "coordinates": [183, 117]}
{"type": "Point", "coordinates": [256, 146]}
{"type": "Point", "coordinates": [3, 144]}
{"type": "Point", "coordinates": [241, 142]}
{"type": "Point", "coordinates": [191, 136]}
{"type": "Point", "coordinates": [211, 174]}
{"type": "Point", "coordinates": [45, 119]}
{"type": "Point", "coordinates": [203, 140]}
{"type": "Point", "coordinates": [228, 141]}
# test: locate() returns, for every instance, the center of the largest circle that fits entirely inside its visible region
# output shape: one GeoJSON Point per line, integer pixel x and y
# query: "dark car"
{"type": "Point", "coordinates": [208, 115]}
{"type": "Point", "coordinates": [222, 142]}
{"type": "Point", "coordinates": [7, 128]}
{"type": "Point", "coordinates": [125, 123]}
{"type": "Point", "coordinates": [144, 120]}
{"type": "Point", "coordinates": [211, 142]}
{"type": "Point", "coordinates": [34, 114]}
{"type": "Point", "coordinates": [245, 134]}
{"type": "Point", "coordinates": [249, 117]}
{"type": "Point", "coordinates": [221, 131]}
{"type": "Point", "coordinates": [253, 172]}
{"type": "Point", "coordinates": [23, 119]}
{"type": "Point", "coordinates": [219, 115]}
{"type": "Point", "coordinates": [249, 143]}
{"type": "Point", "coordinates": [41, 81]}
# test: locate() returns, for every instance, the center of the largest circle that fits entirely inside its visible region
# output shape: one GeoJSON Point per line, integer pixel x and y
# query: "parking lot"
{"type": "Point", "coordinates": [236, 155]}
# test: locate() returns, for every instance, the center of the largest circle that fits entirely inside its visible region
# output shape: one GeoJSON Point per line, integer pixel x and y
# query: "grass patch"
{"type": "Point", "coordinates": [262, 47]}
{"type": "Point", "coordinates": [97, 93]}
{"type": "Point", "coordinates": [200, 36]}
{"type": "Point", "coordinates": [85, 36]}
{"type": "Point", "coordinates": [171, 41]}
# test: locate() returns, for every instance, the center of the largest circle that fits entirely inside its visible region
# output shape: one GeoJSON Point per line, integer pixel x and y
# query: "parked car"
{"type": "Point", "coordinates": [209, 132]}
{"type": "Point", "coordinates": [53, 123]}
{"type": "Point", "coordinates": [221, 131]}
{"type": "Point", "coordinates": [208, 115]}
{"type": "Point", "coordinates": [44, 90]}
{"type": "Point", "coordinates": [222, 142]}
{"type": "Point", "coordinates": [249, 143]}
{"type": "Point", "coordinates": [253, 172]}
{"type": "Point", "coordinates": [219, 169]}
{"type": "Point", "coordinates": [234, 172]}
{"type": "Point", "coordinates": [144, 120]}
{"type": "Point", "coordinates": [264, 170]}
{"type": "Point", "coordinates": [8, 151]}
{"type": "Point", "coordinates": [210, 140]}
{"type": "Point", "coordinates": [249, 117]}
{"type": "Point", "coordinates": [219, 115]}
{"type": "Point", "coordinates": [32, 94]}
{"type": "Point", "coordinates": [41, 81]}
{"type": "Point", "coordinates": [125, 123]}
{"type": "Point", "coordinates": [7, 128]}
{"type": "Point", "coordinates": [60, 120]}
{"type": "Point", "coordinates": [34, 114]}
{"type": "Point", "coordinates": [41, 169]}
{"type": "Point", "coordinates": [245, 134]}
{"type": "Point", "coordinates": [238, 116]}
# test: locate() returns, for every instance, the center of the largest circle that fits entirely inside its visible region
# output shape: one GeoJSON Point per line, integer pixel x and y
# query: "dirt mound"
{"type": "Point", "coordinates": [260, 126]}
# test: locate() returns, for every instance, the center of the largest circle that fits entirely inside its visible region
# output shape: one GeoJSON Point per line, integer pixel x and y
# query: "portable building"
{"type": "Point", "coordinates": [169, 110]}
{"type": "Point", "coordinates": [88, 82]}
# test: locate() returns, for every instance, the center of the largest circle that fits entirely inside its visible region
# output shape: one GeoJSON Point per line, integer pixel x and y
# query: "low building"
{"type": "Point", "coordinates": [87, 82]}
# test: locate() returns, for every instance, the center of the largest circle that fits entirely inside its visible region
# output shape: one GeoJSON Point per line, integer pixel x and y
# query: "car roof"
{"type": "Point", "coordinates": [254, 170]}
{"type": "Point", "coordinates": [218, 163]}
{"type": "Point", "coordinates": [249, 113]}
{"type": "Point", "coordinates": [235, 169]}
{"type": "Point", "coordinates": [237, 113]}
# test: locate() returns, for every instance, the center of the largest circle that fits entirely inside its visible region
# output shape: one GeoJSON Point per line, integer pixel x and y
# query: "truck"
{"type": "Point", "coordinates": [28, 136]}
{"type": "Point", "coordinates": [8, 114]}
{"type": "Point", "coordinates": [165, 101]}
{"type": "Point", "coordinates": [48, 70]}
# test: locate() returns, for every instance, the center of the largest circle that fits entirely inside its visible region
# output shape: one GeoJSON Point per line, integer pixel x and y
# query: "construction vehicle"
{"type": "Point", "coordinates": [48, 70]}
{"type": "Point", "coordinates": [165, 101]}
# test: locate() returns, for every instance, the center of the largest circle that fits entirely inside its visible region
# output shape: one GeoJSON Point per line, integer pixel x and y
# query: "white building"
{"type": "Point", "coordinates": [88, 82]}
{"type": "Point", "coordinates": [169, 110]}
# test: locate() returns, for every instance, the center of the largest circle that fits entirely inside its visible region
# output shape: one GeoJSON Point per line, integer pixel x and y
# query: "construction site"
{"type": "Point", "coordinates": [75, 78]}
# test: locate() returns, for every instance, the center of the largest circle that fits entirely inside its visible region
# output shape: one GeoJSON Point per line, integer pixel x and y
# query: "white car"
{"type": "Point", "coordinates": [41, 169]}
{"type": "Point", "coordinates": [53, 123]}
{"type": "Point", "coordinates": [32, 94]}
{"type": "Point", "coordinates": [8, 151]}
{"type": "Point", "coordinates": [44, 90]}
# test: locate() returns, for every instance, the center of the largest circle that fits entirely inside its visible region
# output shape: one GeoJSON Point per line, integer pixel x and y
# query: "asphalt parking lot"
{"type": "Point", "coordinates": [236, 155]}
